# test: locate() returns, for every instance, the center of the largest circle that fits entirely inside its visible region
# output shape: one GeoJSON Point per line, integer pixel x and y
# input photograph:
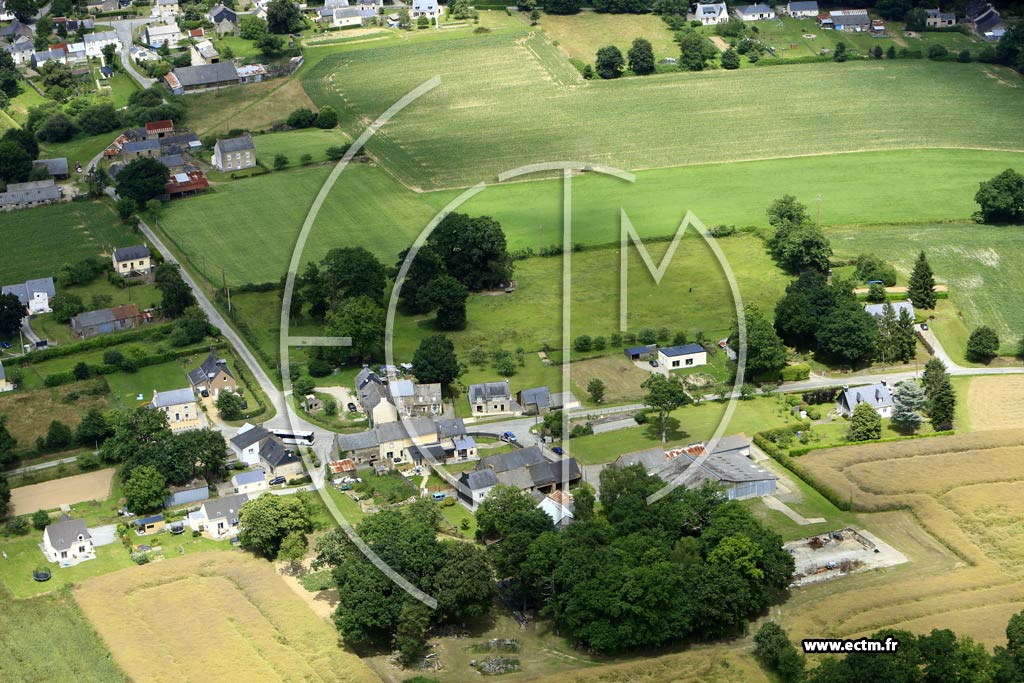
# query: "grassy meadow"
{"type": "Point", "coordinates": [270, 633]}
{"type": "Point", "coordinates": [295, 143]}
{"type": "Point", "coordinates": [252, 107]}
{"type": "Point", "coordinates": [29, 413]}
{"type": "Point", "coordinates": [490, 80]}
{"type": "Point", "coordinates": [580, 35]}
{"type": "Point", "coordinates": [55, 620]}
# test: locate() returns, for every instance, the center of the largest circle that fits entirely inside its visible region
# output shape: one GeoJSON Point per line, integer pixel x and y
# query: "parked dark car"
{"type": "Point", "coordinates": [653, 363]}
{"type": "Point", "coordinates": [557, 450]}
{"type": "Point", "coordinates": [352, 408]}
{"type": "Point", "coordinates": [277, 480]}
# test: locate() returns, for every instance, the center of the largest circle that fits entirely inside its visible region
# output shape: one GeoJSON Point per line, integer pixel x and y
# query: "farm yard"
{"type": "Point", "coordinates": [270, 633]}
{"type": "Point", "coordinates": [598, 121]}
{"type": "Point", "coordinates": [56, 620]}
{"type": "Point", "coordinates": [965, 492]}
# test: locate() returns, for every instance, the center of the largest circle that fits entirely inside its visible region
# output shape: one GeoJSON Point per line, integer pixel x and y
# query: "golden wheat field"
{"type": "Point", "coordinates": [955, 506]}
{"type": "Point", "coordinates": [996, 402]}
{"type": "Point", "coordinates": [214, 617]}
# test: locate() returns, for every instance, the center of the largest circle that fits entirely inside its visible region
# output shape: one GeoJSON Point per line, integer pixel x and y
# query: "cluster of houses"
{"type": "Point", "coordinates": [20, 46]}
{"type": "Point", "coordinates": [496, 398]}
{"type": "Point", "coordinates": [174, 149]}
{"type": "Point", "coordinates": [985, 20]}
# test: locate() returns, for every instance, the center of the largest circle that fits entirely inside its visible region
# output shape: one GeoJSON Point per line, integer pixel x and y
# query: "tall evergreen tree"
{"type": "Point", "coordinates": [921, 291]}
{"type": "Point", "coordinates": [906, 342]}
{"type": "Point", "coordinates": [907, 405]}
{"type": "Point", "coordinates": [887, 341]}
{"type": "Point", "coordinates": [934, 371]}
{"type": "Point", "coordinates": [942, 405]}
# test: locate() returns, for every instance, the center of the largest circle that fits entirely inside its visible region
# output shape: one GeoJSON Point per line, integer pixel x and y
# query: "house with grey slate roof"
{"type": "Point", "coordinates": [57, 168]}
{"type": "Point", "coordinates": [234, 154]}
{"type": "Point", "coordinates": [179, 405]}
{"type": "Point", "coordinates": [30, 194]}
{"type": "Point", "coordinates": [68, 542]}
{"type": "Point", "coordinates": [756, 12]}
{"type": "Point", "coordinates": [490, 398]}
{"type": "Point", "coordinates": [535, 401]}
{"type": "Point", "coordinates": [878, 396]}
{"type": "Point", "coordinates": [218, 517]}
{"type": "Point", "coordinates": [803, 9]}
{"type": "Point", "coordinates": [136, 149]}
{"type": "Point", "coordinates": [36, 294]}
{"type": "Point", "coordinates": [212, 376]}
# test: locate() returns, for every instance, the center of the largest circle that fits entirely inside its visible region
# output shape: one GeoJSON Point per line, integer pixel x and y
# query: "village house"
{"type": "Point", "coordinates": [43, 57]}
{"type": "Point", "coordinates": [36, 294]}
{"type": "Point", "coordinates": [95, 42]}
{"type": "Point", "coordinates": [850, 20]}
{"type": "Point", "coordinates": [558, 506]}
{"type": "Point", "coordinates": [202, 77]}
{"type": "Point", "coordinates": [426, 8]}
{"type": "Point", "coordinates": [132, 261]}
{"type": "Point", "coordinates": [218, 518]}
{"type": "Point", "coordinates": [180, 407]}
{"type": "Point", "coordinates": [803, 9]}
{"type": "Point", "coordinates": [527, 469]}
{"type": "Point", "coordinates": [105, 321]}
{"type": "Point", "coordinates": [373, 398]}
{"type": "Point", "coordinates": [68, 542]}
{"type": "Point", "coordinates": [204, 52]}
{"type": "Point", "coordinates": [234, 154]}
{"type": "Point", "coordinates": [399, 444]}
{"type": "Point", "coordinates": [136, 149]}
{"type": "Point", "coordinates": [153, 524]}
{"type": "Point", "coordinates": [249, 441]}
{"type": "Point", "coordinates": [158, 35]}
{"type": "Point", "coordinates": [212, 376]}
{"type": "Point", "coordinates": [341, 17]}
{"type": "Point", "coordinates": [76, 53]}
{"type": "Point", "coordinates": [711, 14]}
{"type": "Point", "coordinates": [312, 404]}
{"type": "Point", "coordinates": [535, 401]}
{"type": "Point", "coordinates": [685, 356]}
{"type": "Point", "coordinates": [279, 461]}
{"type": "Point", "coordinates": [878, 396]}
{"type": "Point", "coordinates": [166, 9]}
{"type": "Point", "coordinates": [490, 398]}
{"type": "Point", "coordinates": [415, 400]}
{"type": "Point", "coordinates": [57, 168]}
{"type": "Point", "coordinates": [757, 12]}
{"type": "Point", "coordinates": [936, 18]}
{"type": "Point", "coordinates": [21, 50]}
{"type": "Point", "coordinates": [253, 481]}
{"type": "Point", "coordinates": [224, 19]}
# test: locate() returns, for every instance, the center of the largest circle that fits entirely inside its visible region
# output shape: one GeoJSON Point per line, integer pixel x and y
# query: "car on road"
{"type": "Point", "coordinates": [276, 481]}
{"type": "Point", "coordinates": [653, 363]}
{"type": "Point", "coordinates": [509, 437]}
{"type": "Point", "coordinates": [352, 408]}
{"type": "Point", "coordinates": [5, 345]}
{"type": "Point", "coordinates": [924, 326]}
{"type": "Point", "coordinates": [557, 450]}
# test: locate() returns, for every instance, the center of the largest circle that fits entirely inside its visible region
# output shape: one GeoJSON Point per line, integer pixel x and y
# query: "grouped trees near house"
{"type": "Point", "coordinates": [908, 402]}
{"type": "Point", "coordinates": [865, 424]}
{"type": "Point", "coordinates": [7, 441]}
{"type": "Point", "coordinates": [176, 295]}
{"type": "Point", "coordinates": [940, 398]}
{"type": "Point", "coordinates": [1001, 199]}
{"type": "Point", "coordinates": [5, 495]}
{"type": "Point", "coordinates": [283, 16]}
{"type": "Point", "coordinates": [269, 520]}
{"type": "Point", "coordinates": [145, 490]}
{"type": "Point", "coordinates": [665, 394]}
{"type": "Point", "coordinates": [374, 612]}
{"type": "Point", "coordinates": [641, 57]}
{"type": "Point", "coordinates": [921, 288]}
{"type": "Point", "coordinates": [982, 345]}
{"type": "Point", "coordinates": [142, 179]}
{"type": "Point", "coordinates": [766, 354]}
{"type": "Point", "coordinates": [896, 340]}
{"type": "Point", "coordinates": [141, 438]}
{"type": "Point", "coordinates": [435, 361]}
{"type": "Point", "coordinates": [796, 244]}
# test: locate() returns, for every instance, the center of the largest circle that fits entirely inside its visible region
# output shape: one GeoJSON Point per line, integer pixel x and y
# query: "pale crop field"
{"type": "Point", "coordinates": [996, 402]}
{"type": "Point", "coordinates": [214, 617]}
{"type": "Point", "coordinates": [507, 100]}
{"type": "Point", "coordinates": [956, 505]}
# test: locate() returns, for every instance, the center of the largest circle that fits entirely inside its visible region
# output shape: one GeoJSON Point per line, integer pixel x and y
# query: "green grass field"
{"type": "Point", "coordinates": [294, 143]}
{"type": "Point", "coordinates": [37, 241]}
{"type": "Point", "coordinates": [978, 262]}
{"type": "Point", "coordinates": [488, 81]}
{"type": "Point", "coordinates": [125, 386]}
{"type": "Point", "coordinates": [580, 35]}
{"type": "Point", "coordinates": [53, 620]}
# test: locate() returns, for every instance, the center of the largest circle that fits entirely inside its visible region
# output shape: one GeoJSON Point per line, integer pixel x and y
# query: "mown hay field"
{"type": "Point", "coordinates": [954, 507]}
{"type": "Point", "coordinates": [996, 402]}
{"type": "Point", "coordinates": [214, 617]}
{"type": "Point", "coordinates": [47, 639]}
{"type": "Point", "coordinates": [506, 100]}
{"type": "Point", "coordinates": [252, 107]}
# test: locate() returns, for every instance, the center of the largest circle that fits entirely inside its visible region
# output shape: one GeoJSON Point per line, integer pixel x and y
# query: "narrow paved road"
{"type": "Point", "coordinates": [125, 28]}
{"type": "Point", "coordinates": [43, 465]}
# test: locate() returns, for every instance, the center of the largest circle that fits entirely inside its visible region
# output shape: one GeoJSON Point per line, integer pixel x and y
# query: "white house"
{"type": "Point", "coordinates": [95, 42]}
{"type": "Point", "coordinates": [179, 405]}
{"type": "Point", "coordinates": [426, 8]}
{"type": "Point", "coordinates": [254, 481]}
{"type": "Point", "coordinates": [936, 18]}
{"type": "Point", "coordinates": [714, 13]}
{"type": "Point", "coordinates": [474, 486]}
{"type": "Point", "coordinates": [758, 12]}
{"type": "Point", "coordinates": [346, 16]}
{"type": "Point", "coordinates": [803, 9]}
{"type": "Point", "coordinates": [234, 154]}
{"type": "Point", "coordinates": [558, 506]}
{"type": "Point", "coordinates": [20, 50]}
{"type": "Point", "coordinates": [878, 396]}
{"type": "Point", "coordinates": [685, 356]}
{"type": "Point", "coordinates": [165, 8]}
{"type": "Point", "coordinates": [163, 34]}
{"type": "Point", "coordinates": [68, 542]}
{"type": "Point", "coordinates": [34, 294]}
{"type": "Point", "coordinates": [218, 517]}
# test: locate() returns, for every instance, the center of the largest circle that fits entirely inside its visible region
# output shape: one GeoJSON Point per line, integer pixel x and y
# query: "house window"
{"type": "Point", "coordinates": [63, 554]}
{"type": "Point", "coordinates": [675, 364]}
{"type": "Point", "coordinates": [479, 409]}
{"type": "Point", "coordinates": [689, 361]}
{"type": "Point", "coordinates": [177, 417]}
{"type": "Point", "coordinates": [81, 548]}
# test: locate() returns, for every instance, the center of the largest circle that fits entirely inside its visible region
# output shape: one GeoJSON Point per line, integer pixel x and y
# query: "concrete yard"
{"type": "Point", "coordinates": [855, 551]}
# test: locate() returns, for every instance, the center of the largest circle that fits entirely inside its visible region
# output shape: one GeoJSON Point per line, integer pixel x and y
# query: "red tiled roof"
{"type": "Point", "coordinates": [160, 126]}
{"type": "Point", "coordinates": [125, 312]}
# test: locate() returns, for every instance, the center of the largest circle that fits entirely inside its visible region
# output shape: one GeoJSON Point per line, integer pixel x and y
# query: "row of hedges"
{"type": "Point", "coordinates": [252, 387]}
{"type": "Point", "coordinates": [67, 377]}
{"type": "Point", "coordinates": [797, 452]}
{"type": "Point", "coordinates": [795, 373]}
{"type": "Point", "coordinates": [100, 342]}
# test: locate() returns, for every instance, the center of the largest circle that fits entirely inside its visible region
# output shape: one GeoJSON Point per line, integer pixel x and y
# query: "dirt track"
{"type": "Point", "coordinates": [69, 490]}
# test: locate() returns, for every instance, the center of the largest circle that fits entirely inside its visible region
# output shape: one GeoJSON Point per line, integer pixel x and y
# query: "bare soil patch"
{"type": "Point", "coordinates": [66, 491]}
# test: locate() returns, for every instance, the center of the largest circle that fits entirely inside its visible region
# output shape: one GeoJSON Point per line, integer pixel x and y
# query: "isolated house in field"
{"type": "Point", "coordinates": [878, 396]}
{"type": "Point", "coordinates": [936, 18]}
{"type": "Point", "coordinates": [57, 168]}
{"type": "Point", "coordinates": [803, 10]}
{"type": "Point", "coordinates": [490, 398]}
{"type": "Point", "coordinates": [642, 352]}
{"type": "Point", "coordinates": [153, 524]}
{"type": "Point", "coordinates": [878, 310]}
{"type": "Point", "coordinates": [247, 443]}
{"type": "Point", "coordinates": [105, 321]}
{"type": "Point", "coordinates": [218, 517]}
{"type": "Point", "coordinates": [535, 401]}
{"type": "Point", "coordinates": [132, 261]}
{"type": "Point", "coordinates": [213, 376]}
{"type": "Point", "coordinates": [234, 154]}
{"type": "Point", "coordinates": [681, 357]}
{"type": "Point", "coordinates": [180, 407]}
{"type": "Point", "coordinates": [757, 12]}
{"type": "Point", "coordinates": [253, 481]}
{"type": "Point", "coordinates": [158, 35]}
{"type": "Point", "coordinates": [68, 542]}
{"type": "Point", "coordinates": [426, 8]}
{"type": "Point", "coordinates": [192, 492]}
{"type": "Point", "coordinates": [36, 294]}
{"type": "Point", "coordinates": [711, 14]}
{"type": "Point", "coordinates": [374, 399]}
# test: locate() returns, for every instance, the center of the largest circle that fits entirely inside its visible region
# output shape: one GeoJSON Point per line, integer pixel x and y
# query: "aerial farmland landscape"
{"type": "Point", "coordinates": [562, 340]}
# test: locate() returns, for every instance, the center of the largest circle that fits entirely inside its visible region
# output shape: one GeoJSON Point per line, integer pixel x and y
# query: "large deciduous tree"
{"type": "Point", "coordinates": [1002, 198]}
{"type": "Point", "coordinates": [765, 351]}
{"type": "Point", "coordinates": [266, 521]}
{"type": "Point", "coordinates": [982, 345]}
{"type": "Point", "coordinates": [362, 319]}
{"type": "Point", "coordinates": [142, 179]}
{"type": "Point", "coordinates": [11, 313]}
{"type": "Point", "coordinates": [435, 361]}
{"type": "Point", "coordinates": [177, 296]}
{"type": "Point", "coordinates": [665, 394]}
{"type": "Point", "coordinates": [283, 16]}
{"type": "Point", "coordinates": [145, 490]}
{"type": "Point", "coordinates": [474, 250]}
{"type": "Point", "coordinates": [641, 57]}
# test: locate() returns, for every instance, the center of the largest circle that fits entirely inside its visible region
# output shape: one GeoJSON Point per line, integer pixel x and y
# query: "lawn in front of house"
{"type": "Point", "coordinates": [24, 556]}
{"type": "Point", "coordinates": [126, 387]}
{"type": "Point", "coordinates": [296, 143]}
